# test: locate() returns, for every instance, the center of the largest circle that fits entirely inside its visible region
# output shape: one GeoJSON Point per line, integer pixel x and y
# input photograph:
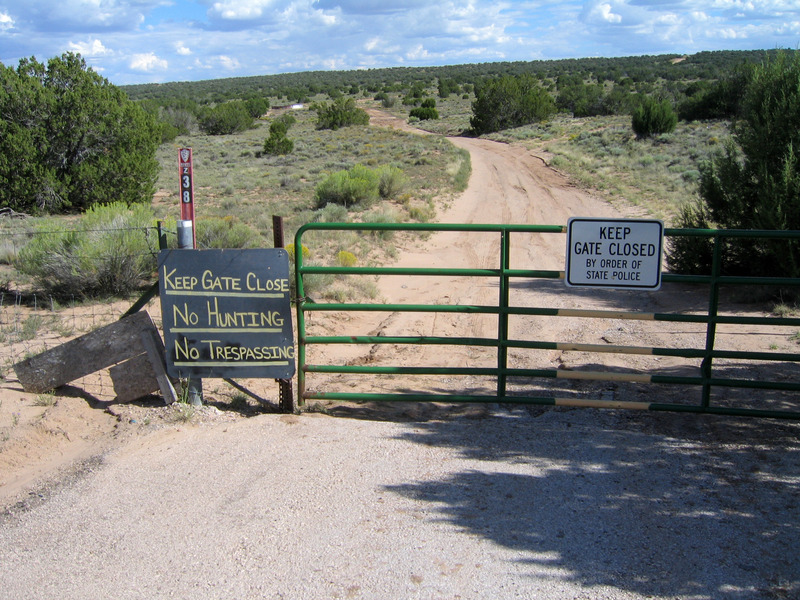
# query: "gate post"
{"type": "Point", "coordinates": [502, 316]}
{"type": "Point", "coordinates": [286, 399]}
{"type": "Point", "coordinates": [711, 328]}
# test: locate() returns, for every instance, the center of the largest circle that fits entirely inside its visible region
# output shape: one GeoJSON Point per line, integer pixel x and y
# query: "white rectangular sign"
{"type": "Point", "coordinates": [614, 253]}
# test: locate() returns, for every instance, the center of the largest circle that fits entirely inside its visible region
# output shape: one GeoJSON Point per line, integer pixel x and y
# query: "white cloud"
{"type": "Point", "coordinates": [418, 52]}
{"type": "Point", "coordinates": [656, 26]}
{"type": "Point", "coordinates": [377, 46]}
{"type": "Point", "coordinates": [86, 15]}
{"type": "Point", "coordinates": [334, 64]}
{"type": "Point", "coordinates": [181, 49]}
{"type": "Point", "coordinates": [729, 34]}
{"type": "Point", "coordinates": [484, 34]}
{"type": "Point", "coordinates": [6, 22]}
{"type": "Point", "coordinates": [89, 49]}
{"type": "Point", "coordinates": [763, 6]}
{"type": "Point", "coordinates": [240, 9]}
{"type": "Point", "coordinates": [606, 14]}
{"type": "Point", "coordinates": [220, 61]}
{"type": "Point", "coordinates": [229, 62]}
{"type": "Point", "coordinates": [326, 19]}
{"type": "Point", "coordinates": [669, 19]}
{"type": "Point", "coordinates": [370, 7]}
{"type": "Point", "coordinates": [148, 62]}
{"type": "Point", "coordinates": [669, 28]}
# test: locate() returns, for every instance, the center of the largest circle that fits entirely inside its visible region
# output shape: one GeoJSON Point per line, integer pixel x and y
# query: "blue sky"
{"type": "Point", "coordinates": [144, 41]}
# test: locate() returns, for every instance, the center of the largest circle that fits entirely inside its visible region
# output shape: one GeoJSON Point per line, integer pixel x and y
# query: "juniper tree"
{"type": "Point", "coordinates": [754, 183]}
{"type": "Point", "coordinates": [69, 139]}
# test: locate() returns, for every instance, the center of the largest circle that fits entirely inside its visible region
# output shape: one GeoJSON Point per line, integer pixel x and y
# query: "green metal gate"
{"type": "Point", "coordinates": [773, 395]}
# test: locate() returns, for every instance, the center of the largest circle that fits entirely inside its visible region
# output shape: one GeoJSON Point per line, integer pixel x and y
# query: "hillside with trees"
{"type": "Point", "coordinates": [645, 73]}
{"type": "Point", "coordinates": [706, 85]}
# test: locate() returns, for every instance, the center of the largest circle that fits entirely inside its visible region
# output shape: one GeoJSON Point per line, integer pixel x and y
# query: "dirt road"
{"type": "Point", "coordinates": [427, 502]}
{"type": "Point", "coordinates": [511, 184]}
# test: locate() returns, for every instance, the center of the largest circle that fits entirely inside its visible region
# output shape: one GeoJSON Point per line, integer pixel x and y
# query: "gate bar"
{"type": "Point", "coordinates": [711, 319]}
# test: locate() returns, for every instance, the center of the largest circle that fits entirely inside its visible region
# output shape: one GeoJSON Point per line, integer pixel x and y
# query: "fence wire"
{"type": "Point", "coordinates": [33, 323]}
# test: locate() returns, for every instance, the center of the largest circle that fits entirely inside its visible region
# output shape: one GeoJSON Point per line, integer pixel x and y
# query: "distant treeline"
{"type": "Point", "coordinates": [642, 71]}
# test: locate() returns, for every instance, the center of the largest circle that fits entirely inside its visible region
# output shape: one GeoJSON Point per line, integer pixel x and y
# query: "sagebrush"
{"type": "Point", "coordinates": [109, 252]}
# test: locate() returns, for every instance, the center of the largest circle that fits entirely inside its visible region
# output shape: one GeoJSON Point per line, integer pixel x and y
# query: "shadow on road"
{"type": "Point", "coordinates": [668, 505]}
{"type": "Point", "coordinates": [659, 504]}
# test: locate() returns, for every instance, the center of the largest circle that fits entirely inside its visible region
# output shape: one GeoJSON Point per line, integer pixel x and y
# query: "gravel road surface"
{"type": "Point", "coordinates": [493, 502]}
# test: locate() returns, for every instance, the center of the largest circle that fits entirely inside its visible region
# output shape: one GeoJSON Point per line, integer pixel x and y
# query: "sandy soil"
{"type": "Point", "coordinates": [46, 447]}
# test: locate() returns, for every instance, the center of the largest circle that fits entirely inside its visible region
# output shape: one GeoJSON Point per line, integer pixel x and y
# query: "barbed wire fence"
{"type": "Point", "coordinates": [41, 323]}
{"type": "Point", "coordinates": [33, 321]}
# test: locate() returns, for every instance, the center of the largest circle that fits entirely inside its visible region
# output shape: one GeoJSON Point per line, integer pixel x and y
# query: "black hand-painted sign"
{"type": "Point", "coordinates": [227, 313]}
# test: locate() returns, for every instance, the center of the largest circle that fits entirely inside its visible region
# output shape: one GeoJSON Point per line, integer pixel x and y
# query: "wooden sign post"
{"type": "Point", "coordinates": [130, 346]}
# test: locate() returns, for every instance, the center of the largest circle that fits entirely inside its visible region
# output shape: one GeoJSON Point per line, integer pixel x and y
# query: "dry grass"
{"type": "Point", "coordinates": [602, 154]}
{"type": "Point", "coordinates": [233, 178]}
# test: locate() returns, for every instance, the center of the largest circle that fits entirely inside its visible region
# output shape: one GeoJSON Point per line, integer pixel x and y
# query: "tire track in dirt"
{"type": "Point", "coordinates": [508, 184]}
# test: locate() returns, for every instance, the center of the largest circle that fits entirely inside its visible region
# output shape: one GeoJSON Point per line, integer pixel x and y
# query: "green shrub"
{"type": "Point", "coordinates": [447, 87]}
{"type": "Point", "coordinates": [355, 186]}
{"type": "Point", "coordinates": [382, 215]}
{"type": "Point", "coordinates": [462, 170]}
{"type": "Point", "coordinates": [619, 101]}
{"type": "Point", "coordinates": [169, 132]}
{"type": "Point", "coordinates": [175, 122]}
{"type": "Point", "coordinates": [692, 255]}
{"type": "Point", "coordinates": [581, 100]}
{"type": "Point", "coordinates": [423, 214]}
{"type": "Point", "coordinates": [288, 119]}
{"type": "Point", "coordinates": [424, 113]}
{"type": "Point", "coordinates": [278, 128]}
{"type": "Point", "coordinates": [652, 117]}
{"type": "Point", "coordinates": [278, 146]}
{"type": "Point", "coordinates": [277, 143]}
{"type": "Point", "coordinates": [331, 213]}
{"type": "Point", "coordinates": [257, 106]}
{"type": "Point", "coordinates": [69, 139]}
{"type": "Point", "coordinates": [509, 102]}
{"type": "Point", "coordinates": [754, 182]}
{"type": "Point", "coordinates": [225, 119]}
{"type": "Point", "coordinates": [213, 232]}
{"type": "Point", "coordinates": [720, 100]}
{"type": "Point", "coordinates": [391, 181]}
{"type": "Point", "coordinates": [342, 112]}
{"type": "Point", "coordinates": [109, 252]}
